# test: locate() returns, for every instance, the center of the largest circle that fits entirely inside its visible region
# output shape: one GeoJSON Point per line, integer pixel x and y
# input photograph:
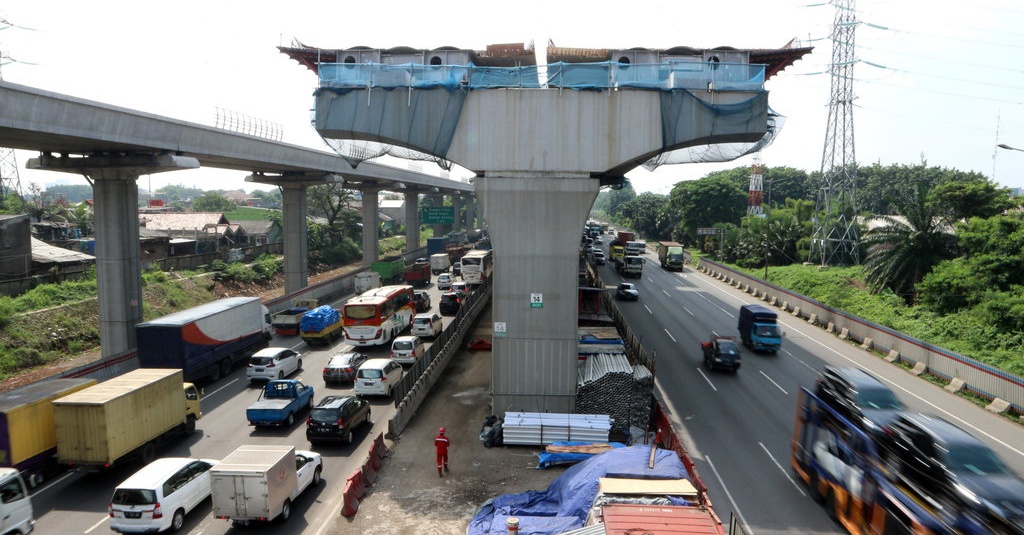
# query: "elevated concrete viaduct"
{"type": "Point", "coordinates": [113, 146]}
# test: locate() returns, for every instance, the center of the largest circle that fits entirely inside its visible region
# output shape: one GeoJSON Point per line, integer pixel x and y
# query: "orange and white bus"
{"type": "Point", "coordinates": [378, 315]}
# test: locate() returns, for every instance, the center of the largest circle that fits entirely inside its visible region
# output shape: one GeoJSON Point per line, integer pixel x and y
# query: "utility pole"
{"type": "Point", "coordinates": [836, 239]}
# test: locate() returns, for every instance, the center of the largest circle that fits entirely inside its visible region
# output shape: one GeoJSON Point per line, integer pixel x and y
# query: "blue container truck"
{"type": "Point", "coordinates": [436, 245]}
{"type": "Point", "coordinates": [759, 328]}
{"type": "Point", "coordinates": [207, 340]}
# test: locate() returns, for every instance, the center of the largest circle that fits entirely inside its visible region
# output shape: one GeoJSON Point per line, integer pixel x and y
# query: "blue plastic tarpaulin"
{"type": "Point", "coordinates": [317, 319]}
{"type": "Point", "coordinates": [566, 502]}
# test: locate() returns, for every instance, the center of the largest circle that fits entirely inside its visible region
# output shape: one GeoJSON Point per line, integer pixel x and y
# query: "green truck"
{"type": "Point", "coordinates": [390, 269]}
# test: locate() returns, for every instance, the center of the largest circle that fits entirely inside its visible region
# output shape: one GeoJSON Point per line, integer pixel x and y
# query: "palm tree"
{"type": "Point", "coordinates": [902, 251]}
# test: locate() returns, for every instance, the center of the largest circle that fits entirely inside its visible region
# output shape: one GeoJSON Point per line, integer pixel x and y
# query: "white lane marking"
{"type": "Point", "coordinates": [781, 469]}
{"type": "Point", "coordinates": [96, 525]}
{"type": "Point", "coordinates": [664, 291]}
{"type": "Point", "coordinates": [774, 383]}
{"type": "Point", "coordinates": [225, 385]}
{"type": "Point", "coordinates": [706, 378]}
{"type": "Point", "coordinates": [735, 508]}
{"type": "Point", "coordinates": [689, 312]}
{"type": "Point", "coordinates": [670, 336]}
{"type": "Point", "coordinates": [649, 311]}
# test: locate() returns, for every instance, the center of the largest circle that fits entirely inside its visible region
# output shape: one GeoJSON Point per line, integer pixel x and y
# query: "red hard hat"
{"type": "Point", "coordinates": [441, 430]}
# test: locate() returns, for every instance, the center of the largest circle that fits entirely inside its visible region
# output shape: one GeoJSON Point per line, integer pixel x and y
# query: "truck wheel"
{"type": "Point", "coordinates": [215, 373]}
{"type": "Point", "coordinates": [148, 453]}
{"type": "Point", "coordinates": [286, 510]}
{"type": "Point", "coordinates": [178, 520]}
{"type": "Point", "coordinates": [316, 476]}
{"type": "Point", "coordinates": [291, 419]}
{"type": "Point", "coordinates": [190, 425]}
{"type": "Point", "coordinates": [225, 367]}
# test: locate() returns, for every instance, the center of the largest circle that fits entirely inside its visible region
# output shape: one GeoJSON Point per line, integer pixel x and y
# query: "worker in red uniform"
{"type": "Point", "coordinates": [441, 445]}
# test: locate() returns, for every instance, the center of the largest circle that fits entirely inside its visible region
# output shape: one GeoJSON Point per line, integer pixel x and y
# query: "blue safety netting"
{"type": "Point", "coordinates": [564, 505]}
{"type": "Point", "coordinates": [317, 319]}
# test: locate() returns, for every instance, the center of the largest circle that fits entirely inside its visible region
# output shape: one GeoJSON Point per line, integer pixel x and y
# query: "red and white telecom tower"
{"type": "Point", "coordinates": [755, 201]}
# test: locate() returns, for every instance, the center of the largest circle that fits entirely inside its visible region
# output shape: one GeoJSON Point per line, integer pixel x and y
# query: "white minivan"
{"type": "Point", "coordinates": [158, 496]}
{"type": "Point", "coordinates": [15, 504]}
{"type": "Point", "coordinates": [272, 363]}
{"type": "Point", "coordinates": [377, 377]}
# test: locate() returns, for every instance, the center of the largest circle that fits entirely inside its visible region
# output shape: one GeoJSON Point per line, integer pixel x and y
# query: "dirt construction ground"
{"type": "Point", "coordinates": [409, 498]}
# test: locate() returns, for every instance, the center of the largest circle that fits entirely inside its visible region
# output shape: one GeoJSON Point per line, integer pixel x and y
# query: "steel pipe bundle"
{"type": "Point", "coordinates": [537, 428]}
{"type": "Point", "coordinates": [605, 386]}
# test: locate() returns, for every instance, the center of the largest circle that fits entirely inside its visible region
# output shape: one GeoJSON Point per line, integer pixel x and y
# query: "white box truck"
{"type": "Point", "coordinates": [365, 281]}
{"type": "Point", "coordinates": [259, 483]}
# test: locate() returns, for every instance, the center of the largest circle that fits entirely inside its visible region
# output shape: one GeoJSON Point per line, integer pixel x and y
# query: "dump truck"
{"type": "Point", "coordinates": [418, 273]}
{"type": "Point", "coordinates": [286, 322]}
{"type": "Point", "coordinates": [279, 402]}
{"type": "Point", "coordinates": [630, 266]}
{"type": "Point", "coordinates": [617, 247]}
{"type": "Point", "coordinates": [390, 269]}
{"type": "Point", "coordinates": [207, 340]}
{"type": "Point", "coordinates": [126, 417]}
{"type": "Point", "coordinates": [321, 326]}
{"type": "Point", "coordinates": [28, 442]}
{"type": "Point", "coordinates": [759, 328]}
{"type": "Point", "coordinates": [259, 483]}
{"type": "Point", "coordinates": [670, 254]}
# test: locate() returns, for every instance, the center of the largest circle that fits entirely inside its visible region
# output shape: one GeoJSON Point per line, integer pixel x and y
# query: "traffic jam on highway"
{"type": "Point", "coordinates": [255, 384]}
{"type": "Point", "coordinates": [313, 370]}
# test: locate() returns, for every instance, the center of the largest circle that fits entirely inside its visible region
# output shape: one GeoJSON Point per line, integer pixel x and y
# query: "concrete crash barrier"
{"type": "Point", "coordinates": [796, 311]}
{"type": "Point", "coordinates": [955, 385]}
{"type": "Point", "coordinates": [830, 328]}
{"type": "Point", "coordinates": [844, 333]}
{"type": "Point", "coordinates": [893, 355]}
{"type": "Point", "coordinates": [998, 406]}
{"type": "Point", "coordinates": [812, 319]}
{"type": "Point", "coordinates": [868, 344]}
{"type": "Point", "coordinates": [919, 368]}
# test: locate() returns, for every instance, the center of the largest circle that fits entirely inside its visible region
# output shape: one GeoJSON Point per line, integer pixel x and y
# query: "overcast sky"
{"type": "Point", "coordinates": [942, 85]}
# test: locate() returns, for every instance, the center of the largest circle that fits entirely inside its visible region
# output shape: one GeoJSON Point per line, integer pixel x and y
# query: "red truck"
{"type": "Point", "coordinates": [418, 274]}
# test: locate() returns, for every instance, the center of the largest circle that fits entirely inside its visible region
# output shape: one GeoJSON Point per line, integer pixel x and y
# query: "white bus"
{"type": "Point", "coordinates": [477, 266]}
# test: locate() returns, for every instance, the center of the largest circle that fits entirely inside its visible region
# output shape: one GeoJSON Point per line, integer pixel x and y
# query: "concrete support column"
{"type": "Point", "coordinates": [118, 268]}
{"type": "Point", "coordinates": [471, 214]}
{"type": "Point", "coordinates": [535, 282]}
{"type": "Point", "coordinates": [371, 248]}
{"type": "Point", "coordinates": [457, 208]}
{"type": "Point", "coordinates": [296, 243]}
{"type": "Point", "coordinates": [412, 221]}
{"type": "Point", "coordinates": [437, 200]}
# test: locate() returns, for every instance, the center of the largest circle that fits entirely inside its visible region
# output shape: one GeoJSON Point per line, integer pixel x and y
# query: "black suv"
{"type": "Point", "coordinates": [334, 418]}
{"type": "Point", "coordinates": [859, 397]}
{"type": "Point", "coordinates": [450, 303]}
{"type": "Point", "coordinates": [949, 466]}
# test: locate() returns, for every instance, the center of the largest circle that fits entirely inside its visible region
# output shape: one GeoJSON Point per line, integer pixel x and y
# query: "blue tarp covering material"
{"type": "Point", "coordinates": [566, 502]}
{"type": "Point", "coordinates": [549, 459]}
{"type": "Point", "coordinates": [317, 319]}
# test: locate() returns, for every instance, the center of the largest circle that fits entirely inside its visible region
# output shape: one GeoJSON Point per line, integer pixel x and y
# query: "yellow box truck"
{"type": "Point", "coordinates": [28, 442]}
{"type": "Point", "coordinates": [126, 417]}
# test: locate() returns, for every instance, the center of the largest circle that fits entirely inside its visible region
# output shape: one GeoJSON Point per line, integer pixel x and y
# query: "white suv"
{"type": "Point", "coordinates": [427, 325]}
{"type": "Point", "coordinates": [273, 363]}
{"type": "Point", "coordinates": [377, 377]}
{"type": "Point", "coordinates": [158, 496]}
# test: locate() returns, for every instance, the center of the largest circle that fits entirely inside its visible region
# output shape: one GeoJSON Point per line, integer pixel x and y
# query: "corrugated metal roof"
{"type": "Point", "coordinates": [45, 253]}
{"type": "Point", "coordinates": [596, 529]}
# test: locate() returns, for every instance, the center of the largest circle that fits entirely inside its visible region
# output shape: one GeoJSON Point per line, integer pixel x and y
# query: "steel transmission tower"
{"type": "Point", "coordinates": [835, 233]}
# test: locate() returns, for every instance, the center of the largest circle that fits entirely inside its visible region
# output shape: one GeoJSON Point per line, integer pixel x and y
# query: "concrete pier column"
{"type": "Point", "coordinates": [457, 209]}
{"type": "Point", "coordinates": [471, 214]}
{"type": "Point", "coordinates": [296, 243]}
{"type": "Point", "coordinates": [412, 221]}
{"type": "Point", "coordinates": [118, 269]}
{"type": "Point", "coordinates": [371, 249]}
{"type": "Point", "coordinates": [535, 224]}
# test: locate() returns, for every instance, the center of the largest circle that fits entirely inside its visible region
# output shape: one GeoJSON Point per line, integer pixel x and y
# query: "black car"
{"type": "Point", "coordinates": [450, 303]}
{"type": "Point", "coordinates": [334, 418]}
{"type": "Point", "coordinates": [421, 300]}
{"type": "Point", "coordinates": [859, 397]}
{"type": "Point", "coordinates": [457, 269]}
{"type": "Point", "coordinates": [947, 465]}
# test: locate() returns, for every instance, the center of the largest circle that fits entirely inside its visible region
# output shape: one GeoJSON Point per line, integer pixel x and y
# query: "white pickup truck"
{"type": "Point", "coordinates": [260, 483]}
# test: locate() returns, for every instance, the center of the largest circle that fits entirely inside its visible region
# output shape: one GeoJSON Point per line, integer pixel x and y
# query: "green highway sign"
{"type": "Point", "coordinates": [438, 215]}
